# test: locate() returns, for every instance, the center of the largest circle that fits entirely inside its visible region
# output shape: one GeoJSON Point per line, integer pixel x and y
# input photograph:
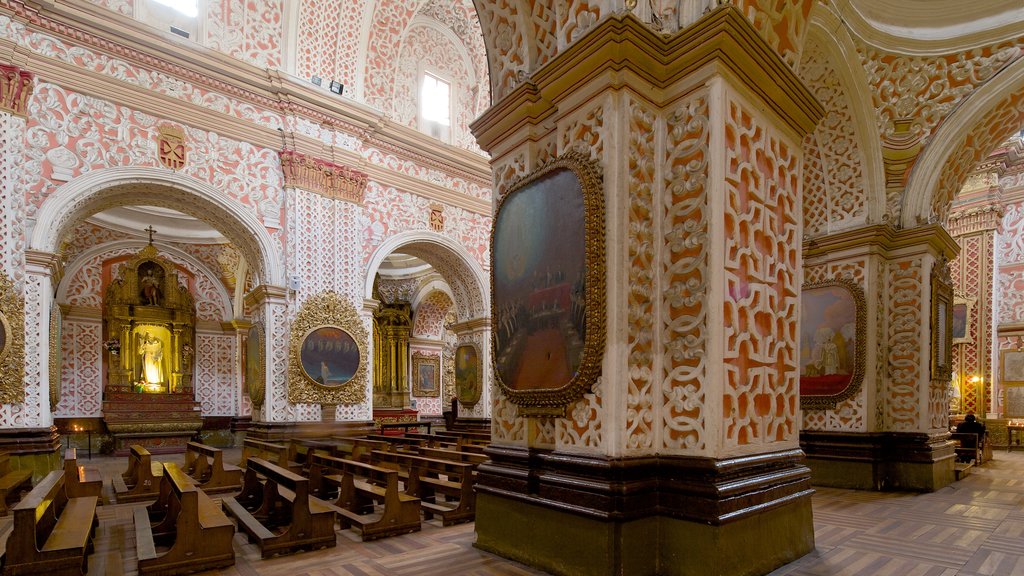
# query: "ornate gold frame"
{"type": "Point", "coordinates": [969, 304]}
{"type": "Point", "coordinates": [479, 375]}
{"type": "Point", "coordinates": [553, 402]}
{"type": "Point", "coordinates": [326, 309]}
{"type": "Point", "coordinates": [12, 357]}
{"type": "Point", "coordinates": [830, 401]}
{"type": "Point", "coordinates": [942, 322]}
{"type": "Point", "coordinates": [420, 359]}
{"type": "Point", "coordinates": [257, 389]}
{"type": "Point", "coordinates": [56, 330]}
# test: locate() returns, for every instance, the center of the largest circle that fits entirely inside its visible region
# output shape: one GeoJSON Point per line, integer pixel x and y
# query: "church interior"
{"type": "Point", "coordinates": [574, 287]}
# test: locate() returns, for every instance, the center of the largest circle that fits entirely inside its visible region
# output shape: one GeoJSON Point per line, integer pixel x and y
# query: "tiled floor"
{"type": "Point", "coordinates": [973, 527]}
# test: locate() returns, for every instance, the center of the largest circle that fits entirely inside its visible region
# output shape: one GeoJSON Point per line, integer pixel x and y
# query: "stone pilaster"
{"type": "Point", "coordinates": [685, 452]}
{"type": "Point", "coordinates": [271, 303]}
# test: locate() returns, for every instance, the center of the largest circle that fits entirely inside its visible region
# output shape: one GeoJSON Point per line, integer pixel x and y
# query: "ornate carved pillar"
{"type": "Point", "coordinates": [272, 305]}
{"type": "Point", "coordinates": [685, 452]}
{"type": "Point", "coordinates": [975, 221]}
{"type": "Point", "coordinates": [891, 431]}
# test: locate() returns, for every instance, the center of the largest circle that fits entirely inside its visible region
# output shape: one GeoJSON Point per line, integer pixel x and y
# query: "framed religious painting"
{"type": "Point", "coordinates": [253, 365]}
{"type": "Point", "coordinates": [942, 323]}
{"type": "Point", "coordinates": [962, 310]}
{"type": "Point", "coordinates": [56, 336]}
{"type": "Point", "coordinates": [12, 343]}
{"type": "Point", "coordinates": [327, 352]}
{"type": "Point", "coordinates": [833, 334]}
{"type": "Point", "coordinates": [547, 286]}
{"type": "Point", "coordinates": [426, 375]}
{"type": "Point", "coordinates": [468, 375]}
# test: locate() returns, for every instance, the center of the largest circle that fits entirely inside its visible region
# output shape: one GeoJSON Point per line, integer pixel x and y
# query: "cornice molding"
{"type": "Point", "coordinates": [330, 179]}
{"type": "Point", "coordinates": [81, 23]}
{"type": "Point", "coordinates": [266, 293]}
{"type": "Point", "coordinates": [885, 240]}
{"type": "Point", "coordinates": [629, 53]}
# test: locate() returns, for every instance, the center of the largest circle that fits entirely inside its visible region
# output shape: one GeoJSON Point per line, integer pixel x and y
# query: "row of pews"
{"type": "Point", "coordinates": [285, 497]}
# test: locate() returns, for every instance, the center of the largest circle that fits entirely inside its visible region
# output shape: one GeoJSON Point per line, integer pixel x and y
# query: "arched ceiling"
{"type": "Point", "coordinates": [170, 225]}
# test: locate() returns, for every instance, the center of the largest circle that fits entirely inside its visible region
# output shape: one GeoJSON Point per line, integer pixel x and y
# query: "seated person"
{"type": "Point", "coordinates": [971, 425]}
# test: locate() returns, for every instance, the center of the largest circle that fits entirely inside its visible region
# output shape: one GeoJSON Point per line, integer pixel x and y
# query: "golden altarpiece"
{"type": "Point", "coordinates": [149, 322]}
{"type": "Point", "coordinates": [392, 327]}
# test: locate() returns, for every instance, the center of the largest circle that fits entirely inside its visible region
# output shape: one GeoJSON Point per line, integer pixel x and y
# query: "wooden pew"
{"type": "Point", "coordinates": [282, 500]}
{"type": "Point", "coordinates": [453, 455]}
{"type": "Point", "coordinates": [81, 480]}
{"type": "Point", "coordinates": [206, 465]}
{"type": "Point", "coordinates": [357, 448]}
{"type": "Point", "coordinates": [468, 437]}
{"type": "Point", "coordinates": [188, 523]}
{"type": "Point", "coordinates": [276, 453]}
{"type": "Point", "coordinates": [141, 481]}
{"type": "Point", "coordinates": [52, 533]}
{"type": "Point", "coordinates": [11, 481]}
{"type": "Point", "coordinates": [360, 486]}
{"type": "Point", "coordinates": [425, 482]}
{"type": "Point", "coordinates": [396, 441]}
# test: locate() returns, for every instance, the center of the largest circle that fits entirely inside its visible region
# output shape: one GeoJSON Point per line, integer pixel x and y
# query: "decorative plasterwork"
{"type": "Point", "coordinates": [15, 89]}
{"type": "Point", "coordinates": [329, 179]}
{"type": "Point", "coordinates": [12, 352]}
{"type": "Point", "coordinates": [326, 309]}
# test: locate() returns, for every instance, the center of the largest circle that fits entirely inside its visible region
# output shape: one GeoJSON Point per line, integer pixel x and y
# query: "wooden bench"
{"type": "Point", "coordinates": [81, 481]}
{"type": "Point", "coordinates": [141, 481]}
{"type": "Point", "coordinates": [278, 454]}
{"type": "Point", "coordinates": [404, 426]}
{"type": "Point", "coordinates": [11, 481]}
{"type": "Point", "coordinates": [425, 482]}
{"type": "Point", "coordinates": [467, 437]}
{"type": "Point", "coordinates": [206, 465]}
{"type": "Point", "coordinates": [184, 520]}
{"type": "Point", "coordinates": [453, 455]}
{"type": "Point", "coordinates": [282, 502]}
{"type": "Point", "coordinates": [360, 488]}
{"type": "Point", "coordinates": [397, 440]}
{"type": "Point", "coordinates": [52, 533]}
{"type": "Point", "coordinates": [357, 448]}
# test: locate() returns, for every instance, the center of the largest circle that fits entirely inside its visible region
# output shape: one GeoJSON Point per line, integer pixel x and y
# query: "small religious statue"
{"type": "Point", "coordinates": [151, 352]}
{"type": "Point", "coordinates": [150, 286]}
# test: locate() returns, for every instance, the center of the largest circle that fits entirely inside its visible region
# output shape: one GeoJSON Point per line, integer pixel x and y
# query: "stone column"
{"type": "Point", "coordinates": [975, 221]}
{"type": "Point", "coordinates": [272, 305]}
{"type": "Point", "coordinates": [890, 431]}
{"type": "Point", "coordinates": [685, 454]}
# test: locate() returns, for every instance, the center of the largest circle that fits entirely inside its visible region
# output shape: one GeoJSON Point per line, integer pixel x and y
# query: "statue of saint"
{"type": "Point", "coordinates": [151, 352]}
{"type": "Point", "coordinates": [150, 288]}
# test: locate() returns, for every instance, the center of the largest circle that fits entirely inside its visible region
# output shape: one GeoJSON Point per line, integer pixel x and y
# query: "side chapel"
{"type": "Point", "coordinates": [683, 259]}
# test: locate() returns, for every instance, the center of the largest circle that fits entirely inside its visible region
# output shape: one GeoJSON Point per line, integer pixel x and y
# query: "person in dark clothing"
{"type": "Point", "coordinates": [971, 425]}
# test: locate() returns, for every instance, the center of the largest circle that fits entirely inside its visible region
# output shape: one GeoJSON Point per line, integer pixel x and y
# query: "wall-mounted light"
{"type": "Point", "coordinates": [316, 80]}
{"type": "Point", "coordinates": [337, 87]}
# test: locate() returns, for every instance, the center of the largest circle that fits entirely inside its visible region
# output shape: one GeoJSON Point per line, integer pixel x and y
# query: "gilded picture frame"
{"type": "Point", "coordinates": [548, 286]}
{"type": "Point", "coordinates": [1011, 367]}
{"type": "Point", "coordinates": [833, 322]}
{"type": "Point", "coordinates": [941, 323]}
{"type": "Point", "coordinates": [327, 310]}
{"type": "Point", "coordinates": [254, 366]}
{"type": "Point", "coordinates": [56, 335]}
{"type": "Point", "coordinates": [963, 309]}
{"type": "Point", "coordinates": [12, 343]}
{"type": "Point", "coordinates": [426, 375]}
{"type": "Point", "coordinates": [469, 377]}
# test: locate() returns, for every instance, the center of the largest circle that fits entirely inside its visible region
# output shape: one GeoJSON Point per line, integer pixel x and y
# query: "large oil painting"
{"type": "Point", "coordinates": [547, 281]}
{"type": "Point", "coordinates": [426, 375]}
{"type": "Point", "coordinates": [832, 332]}
{"type": "Point", "coordinates": [467, 375]}
{"type": "Point", "coordinates": [962, 309]}
{"type": "Point", "coordinates": [329, 355]}
{"type": "Point", "coordinates": [539, 273]}
{"type": "Point", "coordinates": [252, 364]}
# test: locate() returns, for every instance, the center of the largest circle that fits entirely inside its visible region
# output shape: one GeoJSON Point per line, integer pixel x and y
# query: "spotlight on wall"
{"type": "Point", "coordinates": [337, 87]}
{"type": "Point", "coordinates": [179, 32]}
{"type": "Point", "coordinates": [316, 80]}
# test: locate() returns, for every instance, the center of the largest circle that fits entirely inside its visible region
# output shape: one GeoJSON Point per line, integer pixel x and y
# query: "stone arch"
{"type": "Point", "coordinates": [980, 123]}
{"type": "Point", "coordinates": [75, 266]}
{"type": "Point", "coordinates": [101, 189]}
{"type": "Point", "coordinates": [846, 95]}
{"type": "Point", "coordinates": [452, 261]}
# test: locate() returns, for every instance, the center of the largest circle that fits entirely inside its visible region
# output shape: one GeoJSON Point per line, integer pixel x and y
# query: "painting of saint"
{"type": "Point", "coordinates": [329, 356]}
{"type": "Point", "coordinates": [253, 358]}
{"type": "Point", "coordinates": [467, 375]}
{"type": "Point", "coordinates": [828, 335]}
{"type": "Point", "coordinates": [959, 321]}
{"type": "Point", "coordinates": [539, 283]}
{"type": "Point", "coordinates": [428, 377]}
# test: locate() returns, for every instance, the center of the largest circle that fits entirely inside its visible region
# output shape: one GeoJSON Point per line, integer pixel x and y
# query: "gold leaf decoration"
{"type": "Point", "coordinates": [327, 309]}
